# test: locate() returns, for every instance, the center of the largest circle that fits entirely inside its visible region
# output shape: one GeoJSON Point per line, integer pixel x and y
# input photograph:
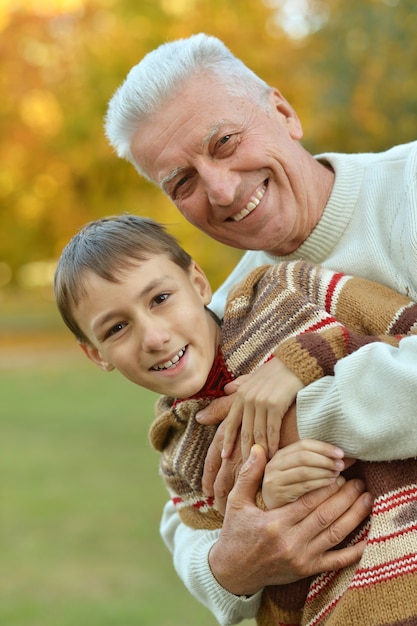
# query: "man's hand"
{"type": "Point", "coordinates": [258, 548]}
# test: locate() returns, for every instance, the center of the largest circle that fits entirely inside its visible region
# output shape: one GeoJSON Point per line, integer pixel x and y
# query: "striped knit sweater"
{"type": "Point", "coordinates": [309, 317]}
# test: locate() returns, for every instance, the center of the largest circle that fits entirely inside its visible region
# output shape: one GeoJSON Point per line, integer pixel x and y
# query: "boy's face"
{"type": "Point", "coordinates": [151, 325]}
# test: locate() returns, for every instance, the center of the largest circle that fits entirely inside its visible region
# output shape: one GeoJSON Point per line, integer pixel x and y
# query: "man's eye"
{"type": "Point", "coordinates": [181, 187]}
{"type": "Point", "coordinates": [224, 139]}
{"type": "Point", "coordinates": [182, 181]}
{"type": "Point", "coordinates": [226, 145]}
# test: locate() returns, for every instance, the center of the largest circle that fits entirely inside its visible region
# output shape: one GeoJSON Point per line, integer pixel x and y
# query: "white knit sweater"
{"type": "Point", "coordinates": [369, 228]}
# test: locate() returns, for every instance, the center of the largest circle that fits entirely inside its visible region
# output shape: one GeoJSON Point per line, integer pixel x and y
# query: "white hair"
{"type": "Point", "coordinates": [162, 73]}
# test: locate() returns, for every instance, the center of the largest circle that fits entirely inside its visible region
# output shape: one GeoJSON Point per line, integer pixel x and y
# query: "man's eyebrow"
{"type": "Point", "coordinates": [212, 132]}
{"type": "Point", "coordinates": [179, 170]}
{"type": "Point", "coordinates": [167, 179]}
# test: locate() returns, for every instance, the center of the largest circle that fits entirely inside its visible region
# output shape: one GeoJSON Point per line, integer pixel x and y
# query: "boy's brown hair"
{"type": "Point", "coordinates": [107, 247]}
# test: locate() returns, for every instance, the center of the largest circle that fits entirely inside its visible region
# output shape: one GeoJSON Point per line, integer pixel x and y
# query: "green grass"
{"type": "Point", "coordinates": [81, 498]}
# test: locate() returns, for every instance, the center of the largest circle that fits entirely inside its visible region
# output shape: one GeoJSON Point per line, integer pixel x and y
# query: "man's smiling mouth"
{"type": "Point", "coordinates": [170, 363]}
{"type": "Point", "coordinates": [251, 205]}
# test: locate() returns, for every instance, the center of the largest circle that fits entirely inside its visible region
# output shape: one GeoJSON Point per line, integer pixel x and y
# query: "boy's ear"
{"type": "Point", "coordinates": [95, 356]}
{"type": "Point", "coordinates": [200, 283]}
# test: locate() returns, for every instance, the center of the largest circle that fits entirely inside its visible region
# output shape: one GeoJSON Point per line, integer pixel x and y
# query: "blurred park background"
{"type": "Point", "coordinates": [81, 499]}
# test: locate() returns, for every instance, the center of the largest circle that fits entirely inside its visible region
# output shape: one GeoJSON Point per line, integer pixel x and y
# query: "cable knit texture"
{"type": "Point", "coordinates": [309, 317]}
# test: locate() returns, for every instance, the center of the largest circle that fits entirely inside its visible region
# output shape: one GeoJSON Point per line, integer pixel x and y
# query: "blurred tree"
{"type": "Point", "coordinates": [358, 65]}
{"type": "Point", "coordinates": [61, 61]}
{"type": "Point", "coordinates": [350, 77]}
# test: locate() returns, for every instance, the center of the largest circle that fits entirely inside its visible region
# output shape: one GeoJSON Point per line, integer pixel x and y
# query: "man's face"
{"type": "Point", "coordinates": [232, 168]}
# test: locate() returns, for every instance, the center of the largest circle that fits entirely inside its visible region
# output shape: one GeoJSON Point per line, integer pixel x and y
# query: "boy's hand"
{"type": "Point", "coordinates": [259, 405]}
{"type": "Point", "coordinates": [299, 468]}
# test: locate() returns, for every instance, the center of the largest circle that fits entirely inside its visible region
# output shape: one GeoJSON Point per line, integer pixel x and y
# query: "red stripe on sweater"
{"type": "Point", "coordinates": [207, 502]}
{"type": "Point", "coordinates": [320, 325]}
{"type": "Point", "coordinates": [323, 613]}
{"type": "Point", "coordinates": [323, 580]}
{"type": "Point", "coordinates": [368, 576]}
{"type": "Point", "coordinates": [386, 503]}
{"type": "Point", "coordinates": [331, 289]}
{"type": "Point", "coordinates": [398, 533]}
{"type": "Point", "coordinates": [407, 566]}
{"type": "Point", "coordinates": [176, 500]}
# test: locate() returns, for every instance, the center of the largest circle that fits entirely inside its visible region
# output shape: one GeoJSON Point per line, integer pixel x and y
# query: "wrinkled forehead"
{"type": "Point", "coordinates": [182, 127]}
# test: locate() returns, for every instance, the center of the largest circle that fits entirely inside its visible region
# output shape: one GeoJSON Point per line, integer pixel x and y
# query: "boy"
{"type": "Point", "coordinates": [137, 302]}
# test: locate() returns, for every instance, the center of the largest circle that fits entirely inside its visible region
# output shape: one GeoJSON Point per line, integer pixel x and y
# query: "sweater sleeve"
{"type": "Point", "coordinates": [310, 317]}
{"type": "Point", "coordinates": [249, 261]}
{"type": "Point", "coordinates": [183, 444]}
{"type": "Point", "coordinates": [368, 407]}
{"type": "Point", "coordinates": [190, 549]}
{"type": "Point", "coordinates": [339, 314]}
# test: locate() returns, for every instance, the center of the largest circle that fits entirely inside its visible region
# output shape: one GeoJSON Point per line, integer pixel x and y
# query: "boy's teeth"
{"type": "Point", "coordinates": [171, 362]}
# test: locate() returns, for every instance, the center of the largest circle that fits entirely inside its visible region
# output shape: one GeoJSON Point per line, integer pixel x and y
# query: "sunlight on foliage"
{"type": "Point", "coordinates": [299, 18]}
{"type": "Point", "coordinates": [347, 68]}
{"type": "Point", "coordinates": [41, 111]}
{"type": "Point", "coordinates": [42, 7]}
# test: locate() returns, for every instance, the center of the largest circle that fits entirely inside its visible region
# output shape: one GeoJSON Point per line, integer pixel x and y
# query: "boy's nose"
{"type": "Point", "coordinates": [154, 338]}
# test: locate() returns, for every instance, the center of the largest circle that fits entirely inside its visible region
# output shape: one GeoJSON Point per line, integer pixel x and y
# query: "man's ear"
{"type": "Point", "coordinates": [94, 355]}
{"type": "Point", "coordinates": [200, 283]}
{"type": "Point", "coordinates": [283, 107]}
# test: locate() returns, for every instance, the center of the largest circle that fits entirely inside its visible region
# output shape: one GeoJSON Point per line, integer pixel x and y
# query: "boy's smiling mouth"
{"type": "Point", "coordinates": [166, 365]}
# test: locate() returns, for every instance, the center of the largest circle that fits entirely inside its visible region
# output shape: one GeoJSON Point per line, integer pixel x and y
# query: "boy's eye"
{"type": "Point", "coordinates": [160, 298]}
{"type": "Point", "coordinates": [115, 329]}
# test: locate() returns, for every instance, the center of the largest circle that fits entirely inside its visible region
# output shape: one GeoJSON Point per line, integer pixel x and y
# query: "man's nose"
{"type": "Point", "coordinates": [220, 183]}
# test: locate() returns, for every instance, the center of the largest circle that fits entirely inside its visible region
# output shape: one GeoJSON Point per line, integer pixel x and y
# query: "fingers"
{"type": "Point", "coordinates": [321, 447]}
{"type": "Point", "coordinates": [337, 516]}
{"type": "Point", "coordinates": [212, 462]}
{"type": "Point", "coordinates": [277, 496]}
{"type": "Point", "coordinates": [249, 477]}
{"type": "Point", "coordinates": [314, 538]}
{"type": "Point", "coordinates": [302, 512]}
{"type": "Point", "coordinates": [303, 460]}
{"type": "Point", "coordinates": [232, 425]}
{"type": "Point", "coordinates": [359, 507]}
{"type": "Point", "coordinates": [301, 467]}
{"type": "Point", "coordinates": [267, 424]}
{"type": "Point", "coordinates": [216, 411]}
{"type": "Point", "coordinates": [261, 417]}
{"type": "Point", "coordinates": [264, 399]}
{"type": "Point", "coordinates": [234, 385]}
{"type": "Point", "coordinates": [339, 559]}
{"type": "Point", "coordinates": [258, 548]}
{"type": "Point", "coordinates": [226, 478]}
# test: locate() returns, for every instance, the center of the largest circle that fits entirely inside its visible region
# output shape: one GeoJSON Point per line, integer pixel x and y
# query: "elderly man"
{"type": "Point", "coordinates": [225, 147]}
